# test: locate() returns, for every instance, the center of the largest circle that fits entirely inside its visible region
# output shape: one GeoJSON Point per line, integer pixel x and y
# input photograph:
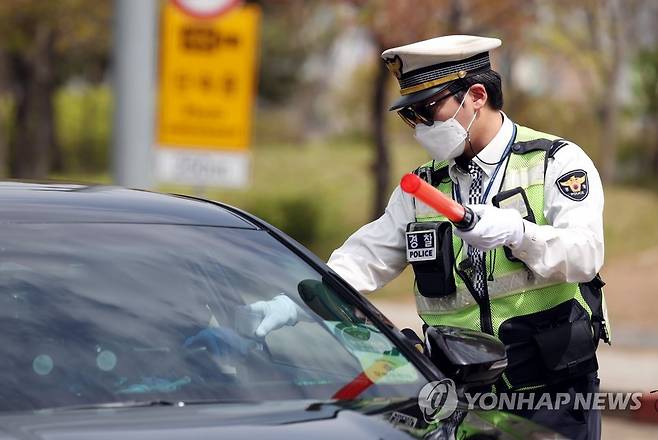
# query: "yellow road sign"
{"type": "Point", "coordinates": [208, 70]}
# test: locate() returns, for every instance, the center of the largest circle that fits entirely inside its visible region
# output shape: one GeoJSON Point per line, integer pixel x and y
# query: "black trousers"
{"type": "Point", "coordinates": [572, 423]}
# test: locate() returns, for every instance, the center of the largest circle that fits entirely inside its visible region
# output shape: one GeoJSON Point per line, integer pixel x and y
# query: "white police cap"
{"type": "Point", "coordinates": [425, 68]}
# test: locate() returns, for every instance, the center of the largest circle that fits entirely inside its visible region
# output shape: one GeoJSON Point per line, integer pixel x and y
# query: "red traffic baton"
{"type": "Point", "coordinates": [461, 216]}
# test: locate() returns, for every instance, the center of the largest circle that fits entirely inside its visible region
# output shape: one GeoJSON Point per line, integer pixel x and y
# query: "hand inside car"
{"type": "Point", "coordinates": [275, 313]}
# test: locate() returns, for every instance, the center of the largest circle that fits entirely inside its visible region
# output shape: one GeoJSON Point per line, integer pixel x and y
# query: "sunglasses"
{"type": "Point", "coordinates": [423, 112]}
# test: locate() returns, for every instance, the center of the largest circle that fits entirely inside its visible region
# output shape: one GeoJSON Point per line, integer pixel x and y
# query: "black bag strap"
{"type": "Point", "coordinates": [431, 175]}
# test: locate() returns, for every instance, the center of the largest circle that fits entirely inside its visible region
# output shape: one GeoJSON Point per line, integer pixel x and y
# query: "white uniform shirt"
{"type": "Point", "coordinates": [569, 248]}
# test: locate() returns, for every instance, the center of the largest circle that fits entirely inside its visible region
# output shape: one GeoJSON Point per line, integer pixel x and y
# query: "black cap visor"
{"type": "Point", "coordinates": [407, 100]}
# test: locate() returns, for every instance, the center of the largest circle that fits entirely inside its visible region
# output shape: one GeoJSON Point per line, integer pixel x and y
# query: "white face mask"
{"type": "Point", "coordinates": [444, 140]}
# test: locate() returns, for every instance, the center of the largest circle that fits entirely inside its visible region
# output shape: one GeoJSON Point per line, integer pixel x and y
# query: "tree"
{"type": "Point", "coordinates": [595, 37]}
{"type": "Point", "coordinates": [45, 43]}
{"type": "Point", "coordinates": [392, 23]}
{"type": "Point", "coordinates": [644, 33]}
{"type": "Point", "coordinates": [290, 34]}
{"type": "Point", "coordinates": [646, 92]}
{"type": "Point", "coordinates": [605, 28]}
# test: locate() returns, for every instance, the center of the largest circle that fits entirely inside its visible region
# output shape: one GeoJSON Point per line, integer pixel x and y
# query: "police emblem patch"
{"type": "Point", "coordinates": [574, 185]}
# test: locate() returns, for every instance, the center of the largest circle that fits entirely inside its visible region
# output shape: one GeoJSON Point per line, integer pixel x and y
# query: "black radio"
{"type": "Point", "coordinates": [430, 252]}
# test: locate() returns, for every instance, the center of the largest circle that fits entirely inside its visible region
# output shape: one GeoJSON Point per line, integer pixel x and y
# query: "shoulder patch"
{"type": "Point", "coordinates": [574, 185]}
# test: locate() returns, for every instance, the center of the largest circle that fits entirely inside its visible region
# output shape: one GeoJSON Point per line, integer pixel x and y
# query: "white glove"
{"type": "Point", "coordinates": [496, 227]}
{"type": "Point", "coordinates": [276, 313]}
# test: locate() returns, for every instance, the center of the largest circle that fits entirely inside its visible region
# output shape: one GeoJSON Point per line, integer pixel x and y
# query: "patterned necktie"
{"type": "Point", "coordinates": [475, 255]}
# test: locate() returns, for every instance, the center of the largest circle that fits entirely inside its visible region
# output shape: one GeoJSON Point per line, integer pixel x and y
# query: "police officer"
{"type": "Point", "coordinates": [527, 272]}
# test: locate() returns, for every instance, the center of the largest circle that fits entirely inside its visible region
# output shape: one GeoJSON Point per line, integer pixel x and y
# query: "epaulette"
{"type": "Point", "coordinates": [550, 147]}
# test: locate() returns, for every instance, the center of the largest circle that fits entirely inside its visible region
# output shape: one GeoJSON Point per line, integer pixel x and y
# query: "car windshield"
{"type": "Point", "coordinates": [100, 313]}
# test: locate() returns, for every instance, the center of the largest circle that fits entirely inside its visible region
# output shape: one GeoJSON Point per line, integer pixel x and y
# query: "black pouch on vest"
{"type": "Point", "coordinates": [567, 350]}
{"type": "Point", "coordinates": [517, 199]}
{"type": "Point", "coordinates": [593, 296]}
{"type": "Point", "coordinates": [550, 346]}
{"type": "Point", "coordinates": [429, 250]}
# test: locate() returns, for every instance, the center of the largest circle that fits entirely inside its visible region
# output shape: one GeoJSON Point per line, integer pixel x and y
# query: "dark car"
{"type": "Point", "coordinates": [122, 315]}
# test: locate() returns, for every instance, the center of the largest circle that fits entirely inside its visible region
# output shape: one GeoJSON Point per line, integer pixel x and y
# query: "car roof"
{"type": "Point", "coordinates": [28, 202]}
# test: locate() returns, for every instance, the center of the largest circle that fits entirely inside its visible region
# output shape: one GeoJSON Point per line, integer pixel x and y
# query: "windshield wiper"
{"type": "Point", "coordinates": [123, 404]}
{"type": "Point", "coordinates": [371, 405]}
{"type": "Point", "coordinates": [148, 403]}
{"type": "Point", "coordinates": [368, 405]}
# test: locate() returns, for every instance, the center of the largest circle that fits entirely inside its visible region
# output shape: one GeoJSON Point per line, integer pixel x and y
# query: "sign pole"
{"type": "Point", "coordinates": [134, 63]}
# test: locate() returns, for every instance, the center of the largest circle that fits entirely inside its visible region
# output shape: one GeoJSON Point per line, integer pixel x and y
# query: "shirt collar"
{"type": "Point", "coordinates": [492, 153]}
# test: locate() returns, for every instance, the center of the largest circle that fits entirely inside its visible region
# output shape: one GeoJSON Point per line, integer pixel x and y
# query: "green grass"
{"type": "Point", "coordinates": [336, 181]}
{"type": "Point", "coordinates": [630, 220]}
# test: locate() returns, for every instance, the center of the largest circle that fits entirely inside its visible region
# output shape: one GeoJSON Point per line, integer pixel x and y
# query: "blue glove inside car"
{"type": "Point", "coordinates": [220, 342]}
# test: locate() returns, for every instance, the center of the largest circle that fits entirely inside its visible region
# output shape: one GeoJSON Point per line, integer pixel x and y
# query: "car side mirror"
{"type": "Point", "coordinates": [324, 302]}
{"type": "Point", "coordinates": [469, 357]}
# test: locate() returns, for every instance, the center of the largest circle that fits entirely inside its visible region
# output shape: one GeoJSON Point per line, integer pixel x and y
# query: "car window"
{"type": "Point", "coordinates": [94, 313]}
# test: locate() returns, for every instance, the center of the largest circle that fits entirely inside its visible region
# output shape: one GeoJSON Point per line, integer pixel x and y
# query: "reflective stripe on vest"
{"type": "Point", "coordinates": [506, 285]}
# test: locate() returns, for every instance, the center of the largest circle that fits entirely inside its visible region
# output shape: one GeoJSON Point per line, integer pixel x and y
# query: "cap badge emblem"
{"type": "Point", "coordinates": [394, 65]}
